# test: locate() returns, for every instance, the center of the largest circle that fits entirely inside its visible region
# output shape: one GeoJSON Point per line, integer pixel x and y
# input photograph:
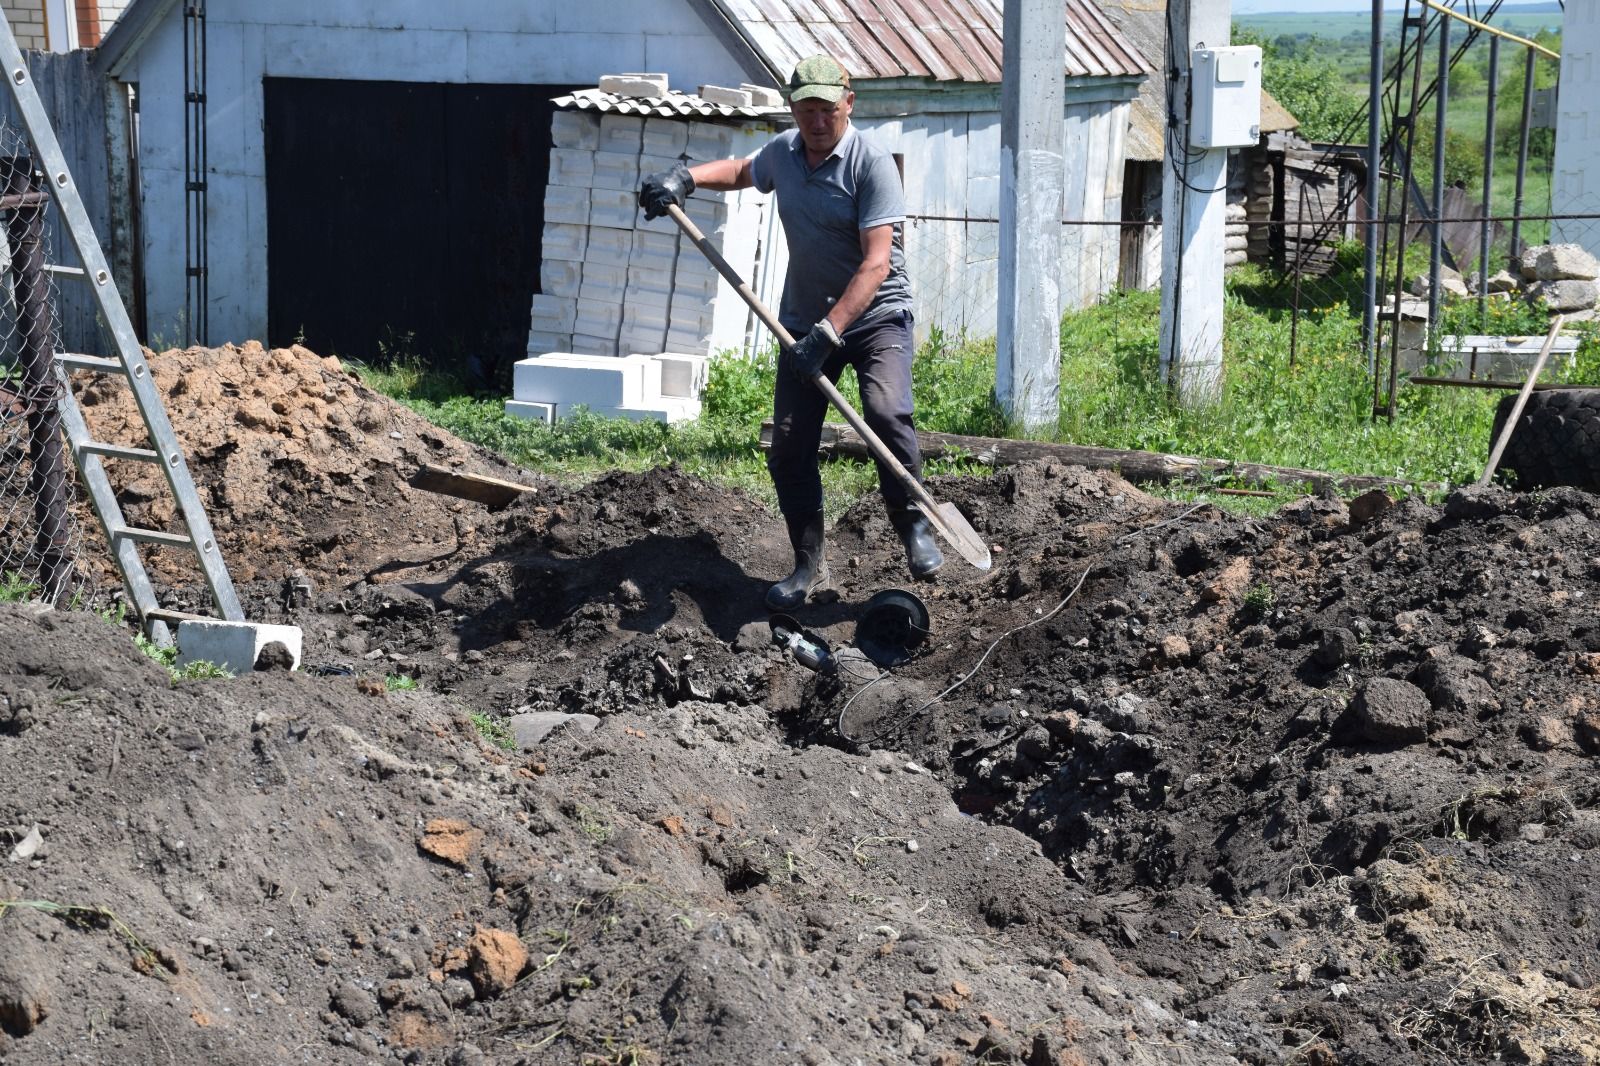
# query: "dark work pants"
{"type": "Point", "coordinates": [881, 351]}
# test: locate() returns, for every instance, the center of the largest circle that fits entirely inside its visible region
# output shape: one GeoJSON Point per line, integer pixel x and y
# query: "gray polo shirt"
{"type": "Point", "coordinates": [823, 212]}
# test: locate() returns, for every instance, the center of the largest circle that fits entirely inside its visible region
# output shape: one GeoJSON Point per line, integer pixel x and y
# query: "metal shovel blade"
{"type": "Point", "coordinates": [959, 534]}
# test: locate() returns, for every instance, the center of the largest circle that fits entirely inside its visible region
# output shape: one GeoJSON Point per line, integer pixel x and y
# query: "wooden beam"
{"type": "Point", "coordinates": [489, 491]}
{"type": "Point", "coordinates": [1138, 467]}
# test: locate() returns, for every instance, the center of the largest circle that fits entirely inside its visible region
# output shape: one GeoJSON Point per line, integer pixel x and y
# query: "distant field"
{"type": "Point", "coordinates": [1336, 26]}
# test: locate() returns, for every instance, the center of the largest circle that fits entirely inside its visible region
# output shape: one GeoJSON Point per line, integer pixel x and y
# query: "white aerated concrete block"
{"type": "Point", "coordinates": [683, 376]}
{"type": "Point", "coordinates": [565, 203]}
{"type": "Point", "coordinates": [234, 646]}
{"type": "Point", "coordinates": [595, 381]}
{"type": "Point", "coordinates": [665, 137]}
{"type": "Point", "coordinates": [621, 133]}
{"type": "Point", "coordinates": [655, 164]}
{"type": "Point", "coordinates": [693, 283]}
{"type": "Point", "coordinates": [560, 277]}
{"type": "Point", "coordinates": [639, 86]}
{"type": "Point", "coordinates": [710, 215]}
{"type": "Point", "coordinates": [604, 283]}
{"type": "Point", "coordinates": [609, 246]}
{"type": "Point", "coordinates": [553, 314]}
{"type": "Point", "coordinates": [563, 241]}
{"type": "Point", "coordinates": [572, 167]}
{"type": "Point", "coordinates": [582, 344]}
{"type": "Point", "coordinates": [613, 208]}
{"type": "Point", "coordinates": [539, 342]}
{"type": "Point", "coordinates": [575, 129]}
{"type": "Point", "coordinates": [708, 141]}
{"type": "Point", "coordinates": [681, 340]}
{"type": "Point", "coordinates": [616, 170]}
{"type": "Point", "coordinates": [532, 410]}
{"type": "Point", "coordinates": [598, 318]}
{"type": "Point", "coordinates": [644, 329]}
{"type": "Point", "coordinates": [657, 251]}
{"type": "Point", "coordinates": [761, 96]}
{"type": "Point", "coordinates": [722, 94]}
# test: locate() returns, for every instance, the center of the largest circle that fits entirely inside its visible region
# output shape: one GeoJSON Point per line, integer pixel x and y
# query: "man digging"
{"type": "Point", "coordinates": [845, 296]}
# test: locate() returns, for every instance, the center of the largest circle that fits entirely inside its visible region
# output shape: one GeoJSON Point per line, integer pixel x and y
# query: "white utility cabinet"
{"type": "Point", "coordinates": [1225, 107]}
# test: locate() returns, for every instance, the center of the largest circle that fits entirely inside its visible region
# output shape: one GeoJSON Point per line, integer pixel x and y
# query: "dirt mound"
{"type": "Point", "coordinates": [302, 467]}
{"type": "Point", "coordinates": [1165, 785]}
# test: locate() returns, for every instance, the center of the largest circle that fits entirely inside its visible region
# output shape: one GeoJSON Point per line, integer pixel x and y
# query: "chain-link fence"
{"type": "Point", "coordinates": [1307, 266]}
{"type": "Point", "coordinates": [40, 540]}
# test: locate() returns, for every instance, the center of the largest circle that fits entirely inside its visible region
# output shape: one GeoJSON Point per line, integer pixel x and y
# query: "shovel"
{"type": "Point", "coordinates": [945, 517]}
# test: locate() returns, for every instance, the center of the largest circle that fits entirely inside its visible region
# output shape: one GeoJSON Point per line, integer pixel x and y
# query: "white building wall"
{"type": "Point", "coordinates": [27, 21]}
{"type": "Point", "coordinates": [1576, 188]}
{"type": "Point", "coordinates": [508, 42]}
{"type": "Point", "coordinates": [952, 168]}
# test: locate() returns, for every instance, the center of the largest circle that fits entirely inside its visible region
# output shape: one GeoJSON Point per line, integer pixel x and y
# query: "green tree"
{"type": "Point", "coordinates": [1308, 83]}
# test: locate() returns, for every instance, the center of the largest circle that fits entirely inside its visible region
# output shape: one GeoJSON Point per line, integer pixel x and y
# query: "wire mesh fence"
{"type": "Point", "coordinates": [41, 543]}
{"type": "Point", "coordinates": [1306, 269]}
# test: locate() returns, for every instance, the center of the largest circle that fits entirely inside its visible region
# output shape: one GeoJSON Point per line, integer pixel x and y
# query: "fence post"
{"type": "Point", "coordinates": [24, 201]}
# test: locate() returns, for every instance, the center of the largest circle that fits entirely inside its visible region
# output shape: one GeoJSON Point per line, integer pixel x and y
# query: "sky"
{"type": "Point", "coordinates": [1250, 7]}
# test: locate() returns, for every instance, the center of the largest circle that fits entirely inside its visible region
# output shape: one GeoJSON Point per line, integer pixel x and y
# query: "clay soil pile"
{"type": "Point", "coordinates": [1165, 786]}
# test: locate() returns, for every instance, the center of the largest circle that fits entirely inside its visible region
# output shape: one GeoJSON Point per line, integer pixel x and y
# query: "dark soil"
{"type": "Point", "coordinates": [1164, 786]}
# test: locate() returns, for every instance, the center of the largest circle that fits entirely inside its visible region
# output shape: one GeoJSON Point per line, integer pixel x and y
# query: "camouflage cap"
{"type": "Point", "coordinates": [818, 78]}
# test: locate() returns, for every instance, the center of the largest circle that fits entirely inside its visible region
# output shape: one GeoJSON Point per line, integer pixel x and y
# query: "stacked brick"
{"type": "Point", "coordinates": [612, 283]}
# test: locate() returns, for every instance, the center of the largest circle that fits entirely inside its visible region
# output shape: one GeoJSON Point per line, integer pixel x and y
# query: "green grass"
{"type": "Point", "coordinates": [494, 731]}
{"type": "Point", "coordinates": [1313, 412]}
{"type": "Point", "coordinates": [400, 683]}
{"type": "Point", "coordinates": [168, 657]}
{"type": "Point", "coordinates": [14, 588]}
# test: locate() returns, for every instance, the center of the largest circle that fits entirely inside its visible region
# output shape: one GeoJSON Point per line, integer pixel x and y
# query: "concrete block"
{"type": "Point", "coordinates": [710, 214]}
{"type": "Point", "coordinates": [575, 129]}
{"type": "Point", "coordinates": [644, 329]}
{"type": "Point", "coordinates": [583, 344]}
{"type": "Point", "coordinates": [569, 379]}
{"type": "Point", "coordinates": [609, 246]}
{"type": "Point", "coordinates": [709, 140]}
{"type": "Point", "coordinates": [638, 86]}
{"type": "Point", "coordinates": [613, 208]}
{"type": "Point", "coordinates": [541, 343]}
{"type": "Point", "coordinates": [560, 277]}
{"type": "Point", "coordinates": [649, 286]}
{"type": "Point", "coordinates": [722, 94]}
{"type": "Point", "coordinates": [621, 133]}
{"type": "Point", "coordinates": [604, 283]}
{"type": "Point", "coordinates": [563, 241]}
{"type": "Point", "coordinates": [663, 410]}
{"type": "Point", "coordinates": [683, 375]}
{"type": "Point", "coordinates": [688, 341]}
{"type": "Point", "coordinates": [234, 646]}
{"type": "Point", "coordinates": [566, 203]}
{"type": "Point", "coordinates": [553, 314]}
{"type": "Point", "coordinates": [616, 170]}
{"type": "Point", "coordinates": [691, 284]}
{"type": "Point", "coordinates": [598, 318]}
{"type": "Point", "coordinates": [761, 96]}
{"type": "Point", "coordinates": [530, 728]}
{"type": "Point", "coordinates": [655, 164]}
{"type": "Point", "coordinates": [691, 317]}
{"type": "Point", "coordinates": [665, 137]}
{"type": "Point", "coordinates": [572, 167]}
{"type": "Point", "coordinates": [657, 251]}
{"type": "Point", "coordinates": [532, 410]}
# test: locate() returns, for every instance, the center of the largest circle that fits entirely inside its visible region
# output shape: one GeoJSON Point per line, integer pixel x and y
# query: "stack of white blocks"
{"type": "Point", "coordinates": [614, 285]}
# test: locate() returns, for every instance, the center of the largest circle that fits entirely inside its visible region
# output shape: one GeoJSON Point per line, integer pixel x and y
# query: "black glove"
{"type": "Point", "coordinates": [810, 352]}
{"type": "Point", "coordinates": [663, 188]}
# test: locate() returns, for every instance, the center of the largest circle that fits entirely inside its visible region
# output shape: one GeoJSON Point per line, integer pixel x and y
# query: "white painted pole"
{"type": "Point", "coordinates": [1194, 199]}
{"type": "Point", "coordinates": [1032, 171]}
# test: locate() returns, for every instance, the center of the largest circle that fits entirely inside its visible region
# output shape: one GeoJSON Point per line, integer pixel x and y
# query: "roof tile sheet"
{"type": "Point", "coordinates": [946, 40]}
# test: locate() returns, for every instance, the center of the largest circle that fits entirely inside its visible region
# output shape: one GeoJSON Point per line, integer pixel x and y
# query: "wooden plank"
{"type": "Point", "coordinates": [1139, 467]}
{"type": "Point", "coordinates": [490, 491]}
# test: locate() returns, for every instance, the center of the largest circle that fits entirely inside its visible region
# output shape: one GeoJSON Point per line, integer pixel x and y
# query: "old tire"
{"type": "Point", "coordinates": [1557, 439]}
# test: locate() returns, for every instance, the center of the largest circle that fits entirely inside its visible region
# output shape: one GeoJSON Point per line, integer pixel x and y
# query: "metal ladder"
{"type": "Point", "coordinates": [49, 176]}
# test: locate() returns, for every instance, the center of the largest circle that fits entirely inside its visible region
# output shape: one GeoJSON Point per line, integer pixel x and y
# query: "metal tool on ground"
{"type": "Point", "coordinates": [1521, 401]}
{"type": "Point", "coordinates": [808, 649]}
{"type": "Point", "coordinates": [893, 625]}
{"type": "Point", "coordinates": [945, 517]}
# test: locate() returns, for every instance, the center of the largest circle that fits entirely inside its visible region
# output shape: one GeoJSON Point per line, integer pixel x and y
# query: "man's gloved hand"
{"type": "Point", "coordinates": [812, 351]}
{"type": "Point", "coordinates": [665, 187]}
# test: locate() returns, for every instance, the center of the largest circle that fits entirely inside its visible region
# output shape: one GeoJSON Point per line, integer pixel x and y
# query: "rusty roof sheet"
{"type": "Point", "coordinates": [945, 40]}
{"type": "Point", "coordinates": [672, 105]}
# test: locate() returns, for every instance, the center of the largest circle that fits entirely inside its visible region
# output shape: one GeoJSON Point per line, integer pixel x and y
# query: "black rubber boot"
{"type": "Point", "coordinates": [810, 563]}
{"type": "Point", "coordinates": [916, 533]}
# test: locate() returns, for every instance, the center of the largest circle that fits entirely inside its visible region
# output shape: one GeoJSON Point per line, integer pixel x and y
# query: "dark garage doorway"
{"type": "Point", "coordinates": [405, 218]}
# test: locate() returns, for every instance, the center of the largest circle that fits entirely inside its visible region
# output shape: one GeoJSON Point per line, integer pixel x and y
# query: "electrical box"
{"type": "Point", "coordinates": [1225, 97]}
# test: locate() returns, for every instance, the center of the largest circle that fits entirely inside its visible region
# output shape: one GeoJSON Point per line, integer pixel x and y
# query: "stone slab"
{"type": "Point", "coordinates": [234, 646]}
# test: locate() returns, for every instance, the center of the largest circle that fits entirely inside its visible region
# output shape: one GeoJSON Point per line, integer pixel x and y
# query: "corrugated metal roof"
{"type": "Point", "coordinates": [672, 105]}
{"type": "Point", "coordinates": [946, 40]}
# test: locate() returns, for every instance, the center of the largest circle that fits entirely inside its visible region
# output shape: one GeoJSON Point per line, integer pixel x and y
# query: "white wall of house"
{"type": "Point", "coordinates": [951, 152]}
{"type": "Point", "coordinates": [1576, 188]}
{"type": "Point", "coordinates": [27, 21]}
{"type": "Point", "coordinates": [508, 42]}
